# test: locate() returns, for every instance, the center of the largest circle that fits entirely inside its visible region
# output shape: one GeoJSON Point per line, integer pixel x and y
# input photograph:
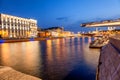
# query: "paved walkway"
{"type": "Point", "coordinates": [7, 73]}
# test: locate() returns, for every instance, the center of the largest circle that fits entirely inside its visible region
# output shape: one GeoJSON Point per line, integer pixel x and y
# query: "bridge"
{"type": "Point", "coordinates": [106, 23]}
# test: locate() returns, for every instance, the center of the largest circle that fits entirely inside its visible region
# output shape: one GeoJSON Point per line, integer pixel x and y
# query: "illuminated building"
{"type": "Point", "coordinates": [51, 32]}
{"type": "Point", "coordinates": [17, 27]}
{"type": "Point", "coordinates": [44, 34]}
{"type": "Point", "coordinates": [54, 32]}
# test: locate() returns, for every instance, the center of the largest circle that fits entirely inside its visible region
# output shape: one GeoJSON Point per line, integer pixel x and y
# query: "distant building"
{"type": "Point", "coordinates": [54, 32]}
{"type": "Point", "coordinates": [68, 34]}
{"type": "Point", "coordinates": [51, 32]}
{"type": "Point", "coordinates": [17, 27]}
{"type": "Point", "coordinates": [44, 34]}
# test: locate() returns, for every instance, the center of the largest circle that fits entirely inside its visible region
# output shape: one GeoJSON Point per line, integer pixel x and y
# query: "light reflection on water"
{"type": "Point", "coordinates": [58, 59]}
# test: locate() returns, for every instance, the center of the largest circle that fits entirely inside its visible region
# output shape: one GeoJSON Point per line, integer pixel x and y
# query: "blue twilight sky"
{"type": "Point", "coordinates": [67, 13]}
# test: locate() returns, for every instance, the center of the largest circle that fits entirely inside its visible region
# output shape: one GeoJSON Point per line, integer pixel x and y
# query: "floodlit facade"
{"type": "Point", "coordinates": [17, 27]}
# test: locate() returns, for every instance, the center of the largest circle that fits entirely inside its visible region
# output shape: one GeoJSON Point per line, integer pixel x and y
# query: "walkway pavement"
{"type": "Point", "coordinates": [7, 73]}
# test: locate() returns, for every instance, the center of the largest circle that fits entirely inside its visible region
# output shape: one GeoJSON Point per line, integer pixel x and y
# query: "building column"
{"type": "Point", "coordinates": [20, 31]}
{"type": "Point", "coordinates": [11, 30]}
{"type": "Point", "coordinates": [2, 29]}
{"type": "Point", "coordinates": [14, 33]}
{"type": "Point", "coordinates": [17, 29]}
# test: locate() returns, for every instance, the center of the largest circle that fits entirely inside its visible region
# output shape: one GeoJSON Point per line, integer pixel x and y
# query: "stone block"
{"type": "Point", "coordinates": [115, 77]}
{"type": "Point", "coordinates": [112, 69]}
{"type": "Point", "coordinates": [107, 62]}
{"type": "Point", "coordinates": [108, 77]}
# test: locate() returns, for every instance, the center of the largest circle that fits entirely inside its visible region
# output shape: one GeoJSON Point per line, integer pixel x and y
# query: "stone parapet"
{"type": "Point", "coordinates": [109, 62]}
{"type": "Point", "coordinates": [115, 41]}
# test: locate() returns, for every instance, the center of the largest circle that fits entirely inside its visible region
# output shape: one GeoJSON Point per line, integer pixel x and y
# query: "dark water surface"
{"type": "Point", "coordinates": [58, 59]}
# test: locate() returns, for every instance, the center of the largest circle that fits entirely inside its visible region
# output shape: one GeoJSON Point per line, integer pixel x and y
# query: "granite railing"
{"type": "Point", "coordinates": [109, 61]}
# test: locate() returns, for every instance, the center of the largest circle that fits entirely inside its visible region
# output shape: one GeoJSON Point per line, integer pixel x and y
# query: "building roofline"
{"type": "Point", "coordinates": [18, 17]}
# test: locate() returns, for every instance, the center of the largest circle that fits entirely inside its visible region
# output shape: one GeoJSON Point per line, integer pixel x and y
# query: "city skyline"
{"type": "Point", "coordinates": [67, 13]}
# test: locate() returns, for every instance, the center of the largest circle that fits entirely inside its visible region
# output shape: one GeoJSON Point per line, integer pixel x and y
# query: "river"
{"type": "Point", "coordinates": [57, 59]}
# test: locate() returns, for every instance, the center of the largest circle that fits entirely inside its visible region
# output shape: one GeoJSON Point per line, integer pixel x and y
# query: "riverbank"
{"type": "Point", "coordinates": [24, 40]}
{"type": "Point", "coordinates": [7, 73]}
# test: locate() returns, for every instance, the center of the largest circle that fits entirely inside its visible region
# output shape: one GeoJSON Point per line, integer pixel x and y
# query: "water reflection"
{"type": "Point", "coordinates": [59, 59]}
{"type": "Point", "coordinates": [21, 56]}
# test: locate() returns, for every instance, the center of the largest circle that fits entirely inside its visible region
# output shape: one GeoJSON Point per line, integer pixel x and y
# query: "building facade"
{"type": "Point", "coordinates": [17, 27]}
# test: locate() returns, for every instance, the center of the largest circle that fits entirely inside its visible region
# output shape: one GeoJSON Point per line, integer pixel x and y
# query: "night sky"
{"type": "Point", "coordinates": [67, 13]}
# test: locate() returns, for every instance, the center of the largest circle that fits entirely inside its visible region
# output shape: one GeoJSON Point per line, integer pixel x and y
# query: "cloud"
{"type": "Point", "coordinates": [62, 18]}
